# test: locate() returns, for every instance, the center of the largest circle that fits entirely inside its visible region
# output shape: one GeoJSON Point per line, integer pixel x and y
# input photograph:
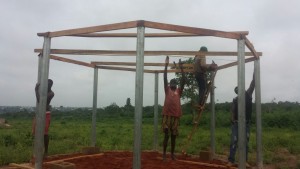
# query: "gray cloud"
{"type": "Point", "coordinates": [273, 29]}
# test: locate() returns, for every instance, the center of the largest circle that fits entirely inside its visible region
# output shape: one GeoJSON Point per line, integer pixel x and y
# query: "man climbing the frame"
{"type": "Point", "coordinates": [200, 71]}
{"type": "Point", "coordinates": [234, 121]}
{"type": "Point", "coordinates": [172, 109]}
{"type": "Point", "coordinates": [50, 95]}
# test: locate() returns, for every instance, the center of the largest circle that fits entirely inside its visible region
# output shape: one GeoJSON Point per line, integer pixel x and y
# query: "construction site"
{"type": "Point", "coordinates": [92, 157]}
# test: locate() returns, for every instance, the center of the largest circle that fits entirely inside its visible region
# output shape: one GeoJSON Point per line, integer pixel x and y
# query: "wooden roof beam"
{"type": "Point", "coordinates": [219, 67]}
{"type": "Point", "coordinates": [147, 35]}
{"type": "Point", "coordinates": [235, 63]}
{"type": "Point", "coordinates": [146, 53]}
{"type": "Point", "coordinates": [148, 24]}
{"type": "Point", "coordinates": [62, 59]}
{"type": "Point", "coordinates": [193, 30]}
{"type": "Point", "coordinates": [145, 70]}
{"type": "Point", "coordinates": [145, 64]}
{"type": "Point", "coordinates": [134, 64]}
{"type": "Point", "coordinates": [93, 29]}
{"type": "Point", "coordinates": [123, 69]}
{"type": "Point", "coordinates": [251, 48]}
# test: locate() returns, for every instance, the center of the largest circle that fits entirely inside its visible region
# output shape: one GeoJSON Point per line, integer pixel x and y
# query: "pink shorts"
{"type": "Point", "coordinates": [47, 122]}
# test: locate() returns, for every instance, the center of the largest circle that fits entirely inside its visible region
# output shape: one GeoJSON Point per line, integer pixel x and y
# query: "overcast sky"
{"type": "Point", "coordinates": [273, 27]}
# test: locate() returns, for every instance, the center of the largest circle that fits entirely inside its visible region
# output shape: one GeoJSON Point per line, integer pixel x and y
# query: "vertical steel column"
{"type": "Point", "coordinates": [259, 156]}
{"type": "Point", "coordinates": [139, 84]}
{"type": "Point", "coordinates": [212, 120]}
{"type": "Point", "coordinates": [242, 142]}
{"type": "Point", "coordinates": [37, 104]}
{"type": "Point", "coordinates": [39, 73]}
{"type": "Point", "coordinates": [41, 113]}
{"type": "Point", "coordinates": [95, 92]}
{"type": "Point", "coordinates": [155, 142]}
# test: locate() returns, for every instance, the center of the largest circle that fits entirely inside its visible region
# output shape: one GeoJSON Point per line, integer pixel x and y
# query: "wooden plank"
{"type": "Point", "coordinates": [145, 70]}
{"type": "Point", "coordinates": [235, 63]}
{"type": "Point", "coordinates": [71, 61]}
{"type": "Point", "coordinates": [134, 64]}
{"type": "Point", "coordinates": [133, 53]}
{"type": "Point", "coordinates": [116, 68]}
{"type": "Point", "coordinates": [73, 158]}
{"type": "Point", "coordinates": [203, 164]}
{"type": "Point", "coordinates": [148, 35]}
{"type": "Point", "coordinates": [251, 48]}
{"type": "Point", "coordinates": [191, 66]}
{"type": "Point", "coordinates": [133, 35]}
{"type": "Point", "coordinates": [185, 29]}
{"type": "Point", "coordinates": [22, 166]}
{"type": "Point", "coordinates": [175, 71]}
{"type": "Point", "coordinates": [122, 68]}
{"type": "Point", "coordinates": [109, 27]}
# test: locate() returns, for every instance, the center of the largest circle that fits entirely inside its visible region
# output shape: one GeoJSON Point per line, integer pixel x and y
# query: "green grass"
{"type": "Point", "coordinates": [69, 136]}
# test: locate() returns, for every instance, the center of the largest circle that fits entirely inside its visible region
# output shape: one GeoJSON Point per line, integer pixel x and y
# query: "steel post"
{"type": "Point", "coordinates": [95, 92]}
{"type": "Point", "coordinates": [212, 120]}
{"type": "Point", "coordinates": [155, 141]}
{"type": "Point", "coordinates": [242, 141]}
{"type": "Point", "coordinates": [41, 109]}
{"type": "Point", "coordinates": [259, 156]}
{"type": "Point", "coordinates": [139, 84]}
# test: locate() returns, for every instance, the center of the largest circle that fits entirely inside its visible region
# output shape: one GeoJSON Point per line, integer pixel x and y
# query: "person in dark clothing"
{"type": "Point", "coordinates": [234, 120]}
{"type": "Point", "coordinates": [200, 71]}
{"type": "Point", "coordinates": [50, 95]}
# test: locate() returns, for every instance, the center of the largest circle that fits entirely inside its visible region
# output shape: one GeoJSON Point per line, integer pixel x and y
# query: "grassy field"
{"type": "Point", "coordinates": [68, 135]}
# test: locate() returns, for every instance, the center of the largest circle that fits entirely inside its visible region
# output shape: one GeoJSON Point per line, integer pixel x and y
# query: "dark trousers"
{"type": "Point", "coordinates": [234, 141]}
{"type": "Point", "coordinates": [201, 86]}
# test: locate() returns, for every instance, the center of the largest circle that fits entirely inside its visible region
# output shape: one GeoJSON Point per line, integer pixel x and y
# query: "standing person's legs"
{"type": "Point", "coordinates": [248, 137]}
{"type": "Point", "coordinates": [46, 137]}
{"type": "Point", "coordinates": [173, 143]}
{"type": "Point", "coordinates": [165, 143]}
{"type": "Point", "coordinates": [166, 135]}
{"type": "Point", "coordinates": [201, 87]}
{"type": "Point", "coordinates": [46, 143]}
{"type": "Point", "coordinates": [174, 133]}
{"type": "Point", "coordinates": [233, 143]}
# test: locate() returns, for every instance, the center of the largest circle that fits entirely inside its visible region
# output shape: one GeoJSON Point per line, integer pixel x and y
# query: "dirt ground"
{"type": "Point", "coordinates": [124, 160]}
{"type": "Point", "coordinates": [149, 160]}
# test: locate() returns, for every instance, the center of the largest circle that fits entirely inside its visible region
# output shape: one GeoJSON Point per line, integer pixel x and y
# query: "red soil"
{"type": "Point", "coordinates": [124, 160]}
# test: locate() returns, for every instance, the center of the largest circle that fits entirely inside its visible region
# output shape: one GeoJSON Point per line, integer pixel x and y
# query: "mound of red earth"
{"type": "Point", "coordinates": [124, 160]}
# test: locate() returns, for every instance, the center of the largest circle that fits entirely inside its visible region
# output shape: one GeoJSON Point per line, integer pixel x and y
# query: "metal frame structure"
{"type": "Point", "coordinates": [177, 31]}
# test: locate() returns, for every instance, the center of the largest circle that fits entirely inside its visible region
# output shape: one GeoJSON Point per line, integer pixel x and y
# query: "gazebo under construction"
{"type": "Point", "coordinates": [167, 31]}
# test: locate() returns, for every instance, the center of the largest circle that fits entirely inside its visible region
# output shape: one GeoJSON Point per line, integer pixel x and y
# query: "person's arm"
{"type": "Point", "coordinates": [182, 81]}
{"type": "Point", "coordinates": [233, 106]}
{"type": "Point", "coordinates": [50, 95]}
{"type": "Point", "coordinates": [213, 66]}
{"type": "Point", "coordinates": [165, 73]}
{"type": "Point", "coordinates": [251, 87]}
{"type": "Point", "coordinates": [37, 92]}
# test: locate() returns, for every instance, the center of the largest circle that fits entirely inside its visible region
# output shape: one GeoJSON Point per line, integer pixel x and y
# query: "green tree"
{"type": "Point", "coordinates": [113, 109]}
{"type": "Point", "coordinates": [190, 92]}
{"type": "Point", "coordinates": [128, 108]}
{"type": "Point", "coordinates": [128, 103]}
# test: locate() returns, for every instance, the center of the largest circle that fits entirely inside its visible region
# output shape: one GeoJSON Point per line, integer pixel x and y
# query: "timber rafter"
{"type": "Point", "coordinates": [174, 31]}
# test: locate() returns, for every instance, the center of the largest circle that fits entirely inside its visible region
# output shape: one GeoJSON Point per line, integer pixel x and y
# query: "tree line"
{"type": "Point", "coordinates": [282, 114]}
